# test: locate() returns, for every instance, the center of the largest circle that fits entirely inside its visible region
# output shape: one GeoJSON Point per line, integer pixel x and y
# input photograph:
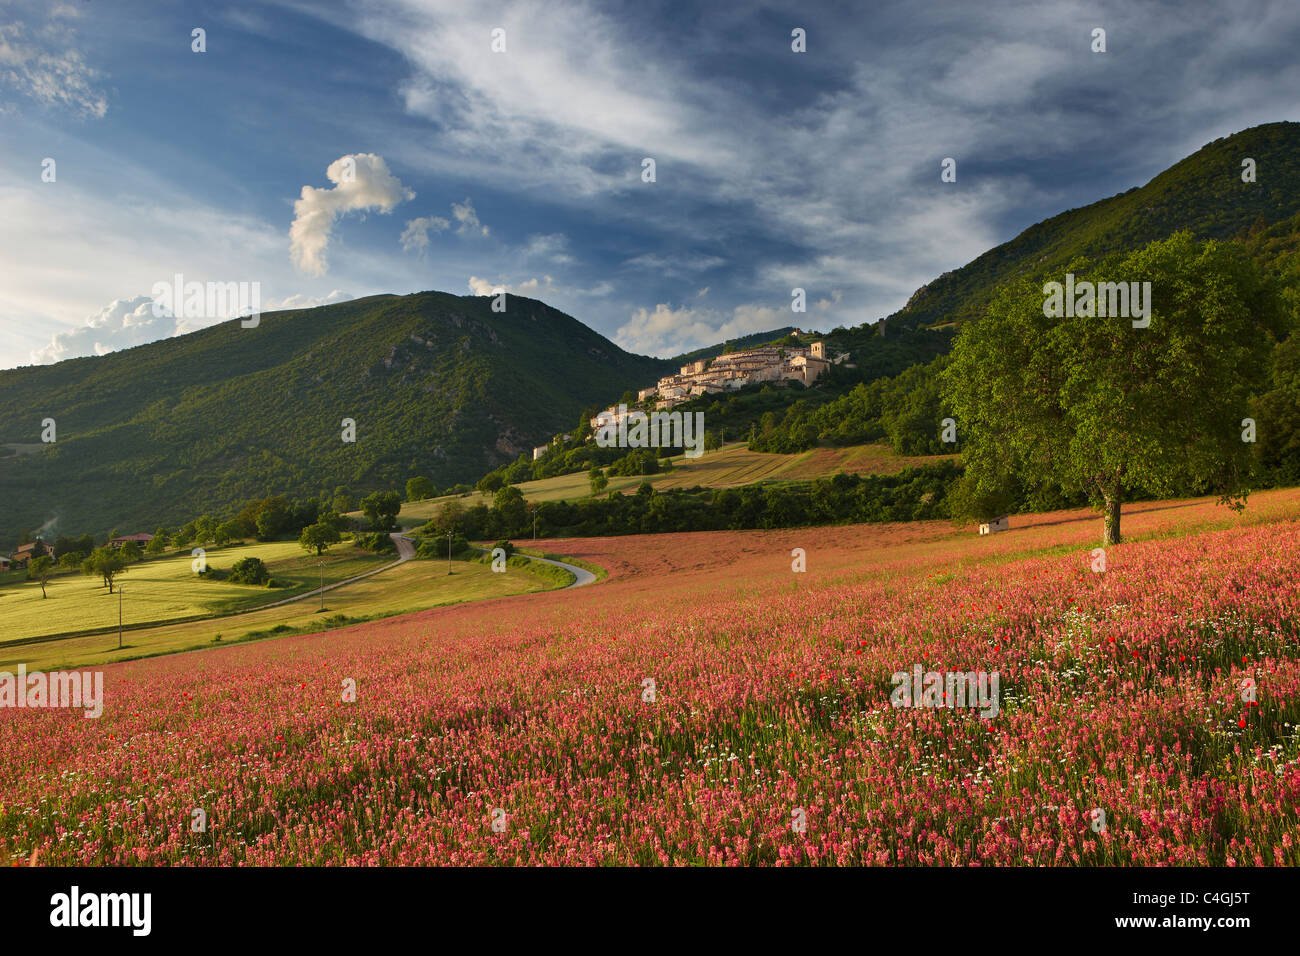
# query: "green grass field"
{"type": "Point", "coordinates": [167, 589]}
{"type": "Point", "coordinates": [414, 586]}
{"type": "Point", "coordinates": [728, 467]}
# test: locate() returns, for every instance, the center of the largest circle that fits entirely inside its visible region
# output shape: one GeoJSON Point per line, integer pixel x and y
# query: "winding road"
{"type": "Point", "coordinates": [406, 551]}
{"type": "Point", "coordinates": [582, 575]}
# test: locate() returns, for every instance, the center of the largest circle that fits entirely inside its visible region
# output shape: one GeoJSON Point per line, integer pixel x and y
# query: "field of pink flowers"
{"type": "Point", "coordinates": [519, 731]}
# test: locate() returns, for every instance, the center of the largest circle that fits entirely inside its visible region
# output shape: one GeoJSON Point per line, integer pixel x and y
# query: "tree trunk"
{"type": "Point", "coordinates": [1110, 519]}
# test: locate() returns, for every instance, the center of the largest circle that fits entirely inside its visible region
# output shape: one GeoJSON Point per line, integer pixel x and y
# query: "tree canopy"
{"type": "Point", "coordinates": [1095, 405]}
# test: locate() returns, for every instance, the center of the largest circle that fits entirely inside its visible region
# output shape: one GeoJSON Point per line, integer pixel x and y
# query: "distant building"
{"type": "Point", "coordinates": [5, 563]}
{"type": "Point", "coordinates": [770, 363]}
{"type": "Point", "coordinates": [140, 539]}
{"type": "Point", "coordinates": [609, 416]}
{"type": "Point", "coordinates": [25, 552]}
{"type": "Point", "coordinates": [540, 450]}
{"type": "Point", "coordinates": [994, 525]}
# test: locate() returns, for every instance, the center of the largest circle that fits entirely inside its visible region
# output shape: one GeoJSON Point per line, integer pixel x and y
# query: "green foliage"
{"type": "Point", "coordinates": [639, 461]}
{"type": "Point", "coordinates": [64, 544]}
{"type": "Point", "coordinates": [906, 409]}
{"type": "Point", "coordinates": [377, 543]}
{"type": "Point", "coordinates": [1277, 415]}
{"type": "Point", "coordinates": [105, 562]}
{"type": "Point", "coordinates": [417, 489]}
{"type": "Point", "coordinates": [914, 494]}
{"type": "Point", "coordinates": [436, 547]}
{"type": "Point", "coordinates": [250, 570]}
{"type": "Point", "coordinates": [437, 383]}
{"type": "Point", "coordinates": [1203, 194]}
{"type": "Point", "coordinates": [318, 537]}
{"type": "Point", "coordinates": [510, 505]}
{"type": "Point", "coordinates": [381, 509]}
{"type": "Point", "coordinates": [41, 569]}
{"type": "Point", "coordinates": [1094, 406]}
{"type": "Point", "coordinates": [492, 481]}
{"type": "Point", "coordinates": [227, 531]}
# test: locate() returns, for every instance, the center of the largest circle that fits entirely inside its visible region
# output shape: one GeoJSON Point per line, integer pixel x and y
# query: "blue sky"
{"type": "Point", "coordinates": [522, 169]}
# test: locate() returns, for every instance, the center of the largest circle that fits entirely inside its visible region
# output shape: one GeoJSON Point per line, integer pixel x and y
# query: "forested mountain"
{"type": "Point", "coordinates": [438, 385]}
{"type": "Point", "coordinates": [441, 386]}
{"type": "Point", "coordinates": [1203, 193]}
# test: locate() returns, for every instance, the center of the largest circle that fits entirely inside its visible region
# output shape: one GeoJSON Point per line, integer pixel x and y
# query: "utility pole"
{"type": "Point", "coordinates": [449, 552]}
{"type": "Point", "coordinates": [322, 585]}
{"type": "Point", "coordinates": [534, 526]}
{"type": "Point", "coordinates": [119, 617]}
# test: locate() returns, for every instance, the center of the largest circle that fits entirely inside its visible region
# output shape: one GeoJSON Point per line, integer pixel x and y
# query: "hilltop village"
{"type": "Point", "coordinates": [734, 370]}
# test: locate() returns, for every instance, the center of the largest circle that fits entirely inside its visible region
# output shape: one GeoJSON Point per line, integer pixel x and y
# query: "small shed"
{"type": "Point", "coordinates": [994, 524]}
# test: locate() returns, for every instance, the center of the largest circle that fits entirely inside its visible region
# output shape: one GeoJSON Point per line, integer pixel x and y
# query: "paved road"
{"type": "Point", "coordinates": [405, 552]}
{"type": "Point", "coordinates": [582, 575]}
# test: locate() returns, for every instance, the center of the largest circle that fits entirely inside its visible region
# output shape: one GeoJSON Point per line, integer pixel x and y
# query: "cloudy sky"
{"type": "Point", "coordinates": [329, 150]}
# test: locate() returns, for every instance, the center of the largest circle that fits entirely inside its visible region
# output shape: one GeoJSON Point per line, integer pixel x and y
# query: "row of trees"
{"type": "Point", "coordinates": [913, 494]}
{"type": "Point", "coordinates": [317, 528]}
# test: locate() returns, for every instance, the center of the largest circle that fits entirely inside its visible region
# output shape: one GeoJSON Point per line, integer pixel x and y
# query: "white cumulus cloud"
{"type": "Point", "coordinates": [121, 324]}
{"type": "Point", "coordinates": [468, 219]}
{"type": "Point", "coordinates": [415, 237]}
{"type": "Point", "coordinates": [362, 183]}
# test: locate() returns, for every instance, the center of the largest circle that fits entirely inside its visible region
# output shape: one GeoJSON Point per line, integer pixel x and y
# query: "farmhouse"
{"type": "Point", "coordinates": [26, 552]}
{"type": "Point", "coordinates": [140, 539]}
{"type": "Point", "coordinates": [5, 563]}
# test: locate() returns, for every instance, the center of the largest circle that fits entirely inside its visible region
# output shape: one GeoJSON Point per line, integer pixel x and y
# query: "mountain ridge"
{"type": "Point", "coordinates": [433, 381]}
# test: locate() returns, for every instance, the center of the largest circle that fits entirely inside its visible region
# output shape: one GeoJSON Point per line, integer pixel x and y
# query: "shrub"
{"type": "Point", "coordinates": [437, 547]}
{"type": "Point", "coordinates": [250, 570]}
{"type": "Point", "coordinates": [376, 542]}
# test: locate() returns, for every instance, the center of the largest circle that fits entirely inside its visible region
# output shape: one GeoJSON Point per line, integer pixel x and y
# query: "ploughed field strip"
{"type": "Point", "coordinates": [706, 704]}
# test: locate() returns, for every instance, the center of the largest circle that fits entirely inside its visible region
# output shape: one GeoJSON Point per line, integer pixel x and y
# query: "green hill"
{"type": "Point", "coordinates": [437, 384]}
{"type": "Point", "coordinates": [1202, 193]}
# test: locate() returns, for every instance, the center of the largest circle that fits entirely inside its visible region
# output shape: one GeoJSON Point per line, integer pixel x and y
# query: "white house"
{"type": "Point", "coordinates": [995, 524]}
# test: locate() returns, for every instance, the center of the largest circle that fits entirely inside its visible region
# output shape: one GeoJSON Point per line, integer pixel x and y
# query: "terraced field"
{"type": "Point", "coordinates": [728, 467]}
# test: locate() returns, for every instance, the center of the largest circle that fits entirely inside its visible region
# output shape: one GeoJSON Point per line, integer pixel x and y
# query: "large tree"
{"type": "Point", "coordinates": [1094, 405]}
{"type": "Point", "coordinates": [318, 537]}
{"type": "Point", "coordinates": [419, 488]}
{"type": "Point", "coordinates": [382, 508]}
{"type": "Point", "coordinates": [107, 562]}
